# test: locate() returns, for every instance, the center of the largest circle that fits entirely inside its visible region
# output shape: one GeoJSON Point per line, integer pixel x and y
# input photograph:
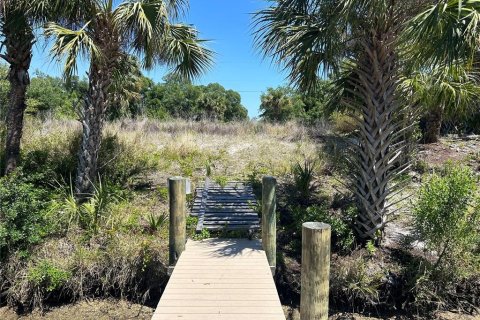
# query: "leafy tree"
{"type": "Point", "coordinates": [212, 103]}
{"type": "Point", "coordinates": [285, 103]}
{"type": "Point", "coordinates": [281, 104]}
{"type": "Point", "coordinates": [358, 38]}
{"type": "Point", "coordinates": [48, 94]}
{"type": "Point", "coordinates": [105, 34]}
{"type": "Point", "coordinates": [234, 110]}
{"type": "Point", "coordinates": [182, 99]}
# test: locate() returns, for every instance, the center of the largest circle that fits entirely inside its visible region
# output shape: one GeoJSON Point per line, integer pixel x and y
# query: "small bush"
{"type": "Point", "coordinates": [343, 238]}
{"type": "Point", "coordinates": [343, 123]}
{"type": "Point", "coordinates": [447, 221]}
{"type": "Point", "coordinates": [93, 213]}
{"type": "Point", "coordinates": [48, 276]}
{"type": "Point", "coordinates": [156, 222]}
{"type": "Point", "coordinates": [23, 210]}
{"type": "Point", "coordinates": [447, 218]}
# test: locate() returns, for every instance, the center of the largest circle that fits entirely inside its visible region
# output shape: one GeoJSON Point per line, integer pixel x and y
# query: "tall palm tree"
{"type": "Point", "coordinates": [104, 33]}
{"type": "Point", "coordinates": [17, 23]}
{"type": "Point", "coordinates": [310, 37]}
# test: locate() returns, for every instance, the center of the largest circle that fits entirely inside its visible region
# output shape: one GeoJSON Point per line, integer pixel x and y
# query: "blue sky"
{"type": "Point", "coordinates": [238, 65]}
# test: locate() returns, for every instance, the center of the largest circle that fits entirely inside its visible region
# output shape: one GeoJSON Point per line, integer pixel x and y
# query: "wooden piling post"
{"type": "Point", "coordinates": [269, 223]}
{"type": "Point", "coordinates": [315, 271]}
{"type": "Point", "coordinates": [178, 222]}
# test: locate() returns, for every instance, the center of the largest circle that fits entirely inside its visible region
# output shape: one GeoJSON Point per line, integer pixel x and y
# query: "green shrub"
{"type": "Point", "coordinates": [343, 123]}
{"type": "Point", "coordinates": [22, 214]}
{"type": "Point", "coordinates": [343, 238]}
{"type": "Point", "coordinates": [447, 219]}
{"type": "Point", "coordinates": [47, 276]}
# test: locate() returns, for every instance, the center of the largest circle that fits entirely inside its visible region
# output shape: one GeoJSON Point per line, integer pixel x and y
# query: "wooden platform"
{"type": "Point", "coordinates": [229, 207]}
{"type": "Point", "coordinates": [221, 279]}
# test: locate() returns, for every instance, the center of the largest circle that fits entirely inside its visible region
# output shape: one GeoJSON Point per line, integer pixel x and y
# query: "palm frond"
{"type": "Point", "coordinates": [144, 24]}
{"type": "Point", "coordinates": [177, 8]}
{"type": "Point", "coordinates": [70, 44]}
{"type": "Point", "coordinates": [445, 33]}
{"type": "Point", "coordinates": [186, 52]}
{"type": "Point", "coordinates": [453, 87]}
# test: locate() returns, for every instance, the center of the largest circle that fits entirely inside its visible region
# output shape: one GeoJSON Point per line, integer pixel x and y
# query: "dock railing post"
{"type": "Point", "coordinates": [269, 223]}
{"type": "Point", "coordinates": [178, 216]}
{"type": "Point", "coordinates": [315, 271]}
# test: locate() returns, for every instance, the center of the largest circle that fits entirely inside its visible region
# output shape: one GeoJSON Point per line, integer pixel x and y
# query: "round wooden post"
{"type": "Point", "coordinates": [315, 271]}
{"type": "Point", "coordinates": [269, 223]}
{"type": "Point", "coordinates": [178, 222]}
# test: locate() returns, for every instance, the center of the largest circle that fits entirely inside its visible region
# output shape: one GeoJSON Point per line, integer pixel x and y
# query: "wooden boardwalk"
{"type": "Point", "coordinates": [229, 207]}
{"type": "Point", "coordinates": [221, 279]}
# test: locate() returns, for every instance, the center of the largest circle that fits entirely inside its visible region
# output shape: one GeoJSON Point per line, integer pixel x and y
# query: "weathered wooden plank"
{"type": "Point", "coordinates": [218, 303]}
{"type": "Point", "coordinates": [203, 205]}
{"type": "Point", "coordinates": [231, 214]}
{"type": "Point", "coordinates": [221, 310]}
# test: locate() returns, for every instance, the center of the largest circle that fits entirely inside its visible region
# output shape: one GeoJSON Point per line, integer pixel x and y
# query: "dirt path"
{"type": "Point", "coordinates": [86, 310]}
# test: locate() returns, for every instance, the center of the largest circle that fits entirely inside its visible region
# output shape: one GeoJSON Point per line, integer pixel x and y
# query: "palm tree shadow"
{"type": "Point", "coordinates": [233, 247]}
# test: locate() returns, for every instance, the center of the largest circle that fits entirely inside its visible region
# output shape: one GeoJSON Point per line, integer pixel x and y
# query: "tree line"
{"type": "Point", "coordinates": [53, 97]}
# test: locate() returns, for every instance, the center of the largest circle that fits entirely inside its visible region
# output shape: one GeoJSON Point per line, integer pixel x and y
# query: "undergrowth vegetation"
{"type": "Point", "coordinates": [115, 243]}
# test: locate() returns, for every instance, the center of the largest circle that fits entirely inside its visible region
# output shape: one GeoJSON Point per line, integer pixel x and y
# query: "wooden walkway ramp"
{"type": "Point", "coordinates": [221, 279]}
{"type": "Point", "coordinates": [228, 207]}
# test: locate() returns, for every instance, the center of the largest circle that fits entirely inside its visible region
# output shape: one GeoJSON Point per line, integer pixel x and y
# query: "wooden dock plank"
{"type": "Point", "coordinates": [221, 279]}
{"type": "Point", "coordinates": [231, 207]}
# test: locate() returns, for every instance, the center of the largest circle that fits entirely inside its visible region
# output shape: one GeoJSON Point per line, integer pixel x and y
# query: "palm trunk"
{"type": "Point", "coordinates": [433, 125]}
{"type": "Point", "coordinates": [93, 118]}
{"type": "Point", "coordinates": [376, 152]}
{"type": "Point", "coordinates": [19, 43]}
{"type": "Point", "coordinates": [95, 106]}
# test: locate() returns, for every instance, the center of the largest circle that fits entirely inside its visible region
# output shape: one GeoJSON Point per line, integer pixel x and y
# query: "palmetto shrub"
{"type": "Point", "coordinates": [304, 175]}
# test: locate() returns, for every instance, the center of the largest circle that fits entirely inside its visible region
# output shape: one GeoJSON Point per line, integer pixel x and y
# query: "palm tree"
{"type": "Point", "coordinates": [105, 33]}
{"type": "Point", "coordinates": [443, 90]}
{"type": "Point", "coordinates": [18, 21]}
{"type": "Point", "coordinates": [280, 104]}
{"type": "Point", "coordinates": [446, 33]}
{"type": "Point", "coordinates": [310, 37]}
{"type": "Point", "coordinates": [17, 24]}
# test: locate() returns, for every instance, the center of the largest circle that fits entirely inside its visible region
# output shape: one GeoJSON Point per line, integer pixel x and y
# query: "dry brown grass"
{"type": "Point", "coordinates": [124, 258]}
